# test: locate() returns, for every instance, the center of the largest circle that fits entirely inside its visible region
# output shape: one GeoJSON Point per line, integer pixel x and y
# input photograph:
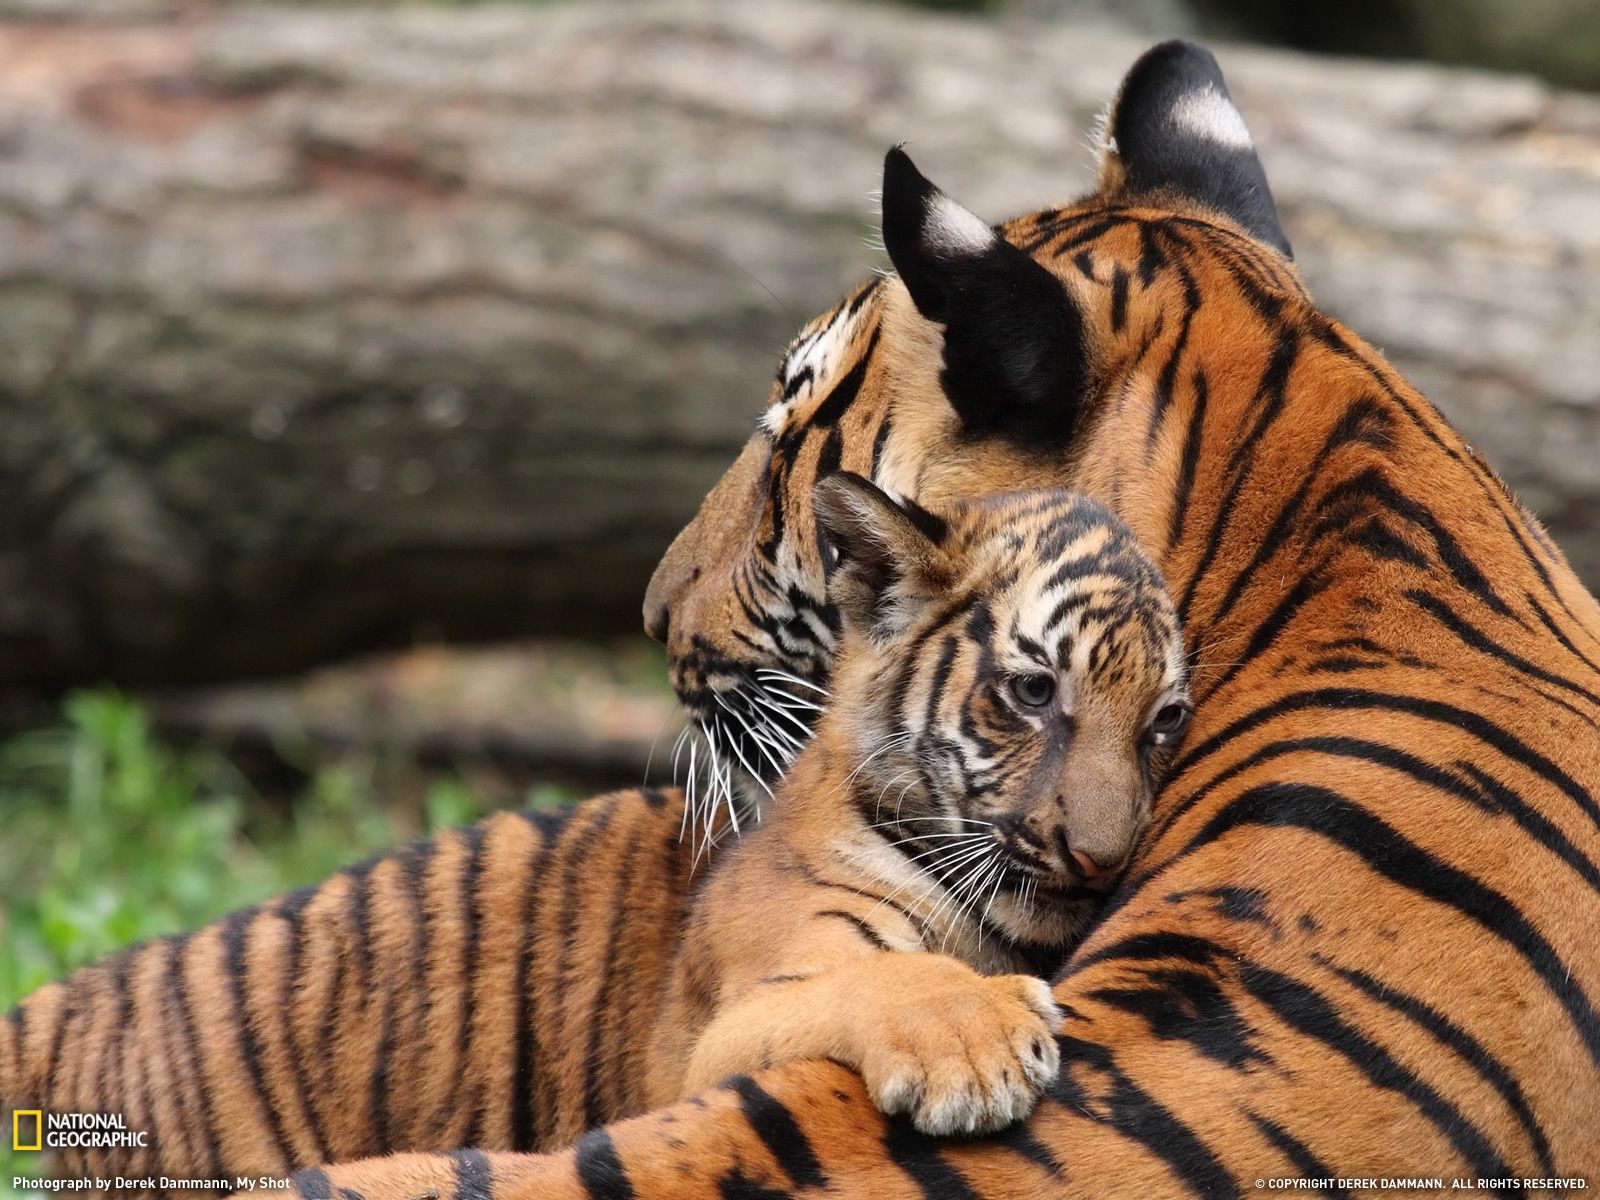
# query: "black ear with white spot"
{"type": "Point", "coordinates": [890, 558]}
{"type": "Point", "coordinates": [1013, 341]}
{"type": "Point", "coordinates": [1173, 128]}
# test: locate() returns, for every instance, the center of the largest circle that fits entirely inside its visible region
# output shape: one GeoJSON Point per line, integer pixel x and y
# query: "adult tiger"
{"type": "Point", "coordinates": [1358, 941]}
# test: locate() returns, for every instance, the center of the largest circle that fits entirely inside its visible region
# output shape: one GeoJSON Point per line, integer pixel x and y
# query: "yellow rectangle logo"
{"type": "Point", "coordinates": [38, 1129]}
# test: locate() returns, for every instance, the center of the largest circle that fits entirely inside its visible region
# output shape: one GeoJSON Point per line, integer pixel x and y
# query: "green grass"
{"type": "Point", "coordinates": [109, 837]}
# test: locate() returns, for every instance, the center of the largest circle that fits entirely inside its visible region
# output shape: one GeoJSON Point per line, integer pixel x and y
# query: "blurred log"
{"type": "Point", "coordinates": [327, 329]}
{"type": "Point", "coordinates": [591, 717]}
{"type": "Point", "coordinates": [278, 754]}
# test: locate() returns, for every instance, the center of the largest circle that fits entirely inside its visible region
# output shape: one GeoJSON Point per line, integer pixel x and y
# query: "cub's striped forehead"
{"type": "Point", "coordinates": [1054, 531]}
{"type": "Point", "coordinates": [1066, 576]}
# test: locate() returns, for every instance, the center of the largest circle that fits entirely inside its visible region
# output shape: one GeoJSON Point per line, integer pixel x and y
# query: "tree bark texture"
{"type": "Point", "coordinates": [322, 330]}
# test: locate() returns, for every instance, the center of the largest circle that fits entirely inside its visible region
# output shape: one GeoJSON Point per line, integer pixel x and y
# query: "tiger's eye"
{"type": "Point", "coordinates": [1033, 691]}
{"type": "Point", "coordinates": [1169, 722]}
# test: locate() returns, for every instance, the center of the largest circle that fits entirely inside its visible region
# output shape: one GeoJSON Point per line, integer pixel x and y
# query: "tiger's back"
{"type": "Point", "coordinates": [480, 987]}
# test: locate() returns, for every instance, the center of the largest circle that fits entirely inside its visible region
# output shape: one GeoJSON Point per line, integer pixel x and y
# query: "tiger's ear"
{"type": "Point", "coordinates": [890, 561]}
{"type": "Point", "coordinates": [1173, 129]}
{"type": "Point", "coordinates": [1013, 340]}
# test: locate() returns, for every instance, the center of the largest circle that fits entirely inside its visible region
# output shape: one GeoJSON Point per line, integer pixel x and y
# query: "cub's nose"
{"type": "Point", "coordinates": [1093, 874]}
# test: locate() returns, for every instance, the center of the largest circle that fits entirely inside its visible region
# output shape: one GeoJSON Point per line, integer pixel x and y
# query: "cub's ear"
{"type": "Point", "coordinates": [1173, 129]}
{"type": "Point", "coordinates": [890, 562]}
{"type": "Point", "coordinates": [1013, 340]}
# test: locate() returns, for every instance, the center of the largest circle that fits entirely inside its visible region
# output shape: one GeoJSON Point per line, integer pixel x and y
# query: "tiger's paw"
{"type": "Point", "coordinates": [966, 1056]}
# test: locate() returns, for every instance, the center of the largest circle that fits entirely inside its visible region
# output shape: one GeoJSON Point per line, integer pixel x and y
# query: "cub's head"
{"type": "Point", "coordinates": [1010, 669]}
{"type": "Point", "coordinates": [996, 358]}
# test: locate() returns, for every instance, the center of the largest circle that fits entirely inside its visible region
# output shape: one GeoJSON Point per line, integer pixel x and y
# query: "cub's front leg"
{"type": "Point", "coordinates": [957, 1051]}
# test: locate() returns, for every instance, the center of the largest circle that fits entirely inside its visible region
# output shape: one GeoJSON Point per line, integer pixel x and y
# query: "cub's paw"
{"type": "Point", "coordinates": [968, 1055]}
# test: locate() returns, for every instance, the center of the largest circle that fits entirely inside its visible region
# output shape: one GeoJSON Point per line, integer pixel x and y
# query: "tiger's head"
{"type": "Point", "coordinates": [1011, 669]}
{"type": "Point", "coordinates": [996, 358]}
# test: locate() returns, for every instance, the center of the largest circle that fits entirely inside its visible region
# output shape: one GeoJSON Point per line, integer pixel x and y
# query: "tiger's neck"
{"type": "Point", "coordinates": [1331, 542]}
{"type": "Point", "coordinates": [1267, 477]}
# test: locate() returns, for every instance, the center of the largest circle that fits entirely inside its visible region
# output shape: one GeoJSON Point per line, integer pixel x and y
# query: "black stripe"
{"type": "Point", "coordinates": [1362, 422]}
{"type": "Point", "coordinates": [1082, 237]}
{"type": "Point", "coordinates": [1297, 1152]}
{"type": "Point", "coordinates": [525, 1075]}
{"type": "Point", "coordinates": [179, 989]}
{"type": "Point", "coordinates": [1119, 297]}
{"type": "Point", "coordinates": [1151, 258]}
{"type": "Point", "coordinates": [838, 401]}
{"type": "Point", "coordinates": [1330, 815]}
{"type": "Point", "coordinates": [736, 1186]}
{"type": "Point", "coordinates": [1305, 1009]}
{"type": "Point", "coordinates": [1271, 386]}
{"type": "Point", "coordinates": [866, 293]}
{"type": "Point", "coordinates": [473, 1180]}
{"type": "Point", "coordinates": [1189, 1005]}
{"type": "Point", "coordinates": [415, 861]}
{"type": "Point", "coordinates": [599, 1168]}
{"type": "Point", "coordinates": [1566, 642]}
{"type": "Point", "coordinates": [612, 976]}
{"type": "Point", "coordinates": [576, 860]}
{"type": "Point", "coordinates": [865, 930]}
{"type": "Point", "coordinates": [1344, 664]}
{"type": "Point", "coordinates": [16, 1022]}
{"type": "Point", "coordinates": [918, 1156]}
{"type": "Point", "coordinates": [1019, 1139]}
{"type": "Point", "coordinates": [779, 1132]}
{"type": "Point", "coordinates": [879, 441]}
{"type": "Point", "coordinates": [1190, 462]}
{"type": "Point", "coordinates": [1145, 947]}
{"type": "Point", "coordinates": [1480, 789]}
{"type": "Point", "coordinates": [473, 836]}
{"type": "Point", "coordinates": [1306, 589]}
{"type": "Point", "coordinates": [69, 1010]}
{"type": "Point", "coordinates": [796, 381]}
{"type": "Point", "coordinates": [887, 901]}
{"type": "Point", "coordinates": [1470, 635]}
{"type": "Point", "coordinates": [1167, 378]}
{"type": "Point", "coordinates": [1493, 1072]}
{"type": "Point", "coordinates": [1328, 334]}
{"type": "Point", "coordinates": [940, 677]}
{"type": "Point", "coordinates": [1137, 1115]}
{"type": "Point", "coordinates": [149, 1119]}
{"type": "Point", "coordinates": [1375, 536]}
{"type": "Point", "coordinates": [291, 910]}
{"type": "Point", "coordinates": [1274, 390]}
{"type": "Point", "coordinates": [378, 1084]}
{"type": "Point", "coordinates": [1433, 710]}
{"type": "Point", "coordinates": [901, 687]}
{"type": "Point", "coordinates": [1356, 495]}
{"type": "Point", "coordinates": [234, 934]}
{"type": "Point", "coordinates": [829, 456]}
{"type": "Point", "coordinates": [358, 908]}
{"type": "Point", "coordinates": [313, 1184]}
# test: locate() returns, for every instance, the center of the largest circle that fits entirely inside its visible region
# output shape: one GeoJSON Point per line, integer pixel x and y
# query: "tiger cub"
{"type": "Point", "coordinates": [1010, 672]}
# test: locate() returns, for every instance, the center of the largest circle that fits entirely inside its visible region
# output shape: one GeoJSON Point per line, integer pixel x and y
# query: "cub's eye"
{"type": "Point", "coordinates": [1169, 722]}
{"type": "Point", "coordinates": [1033, 691]}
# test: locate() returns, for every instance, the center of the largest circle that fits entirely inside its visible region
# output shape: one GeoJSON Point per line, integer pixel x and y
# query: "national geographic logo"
{"type": "Point", "coordinates": [33, 1129]}
{"type": "Point", "coordinates": [25, 1119]}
